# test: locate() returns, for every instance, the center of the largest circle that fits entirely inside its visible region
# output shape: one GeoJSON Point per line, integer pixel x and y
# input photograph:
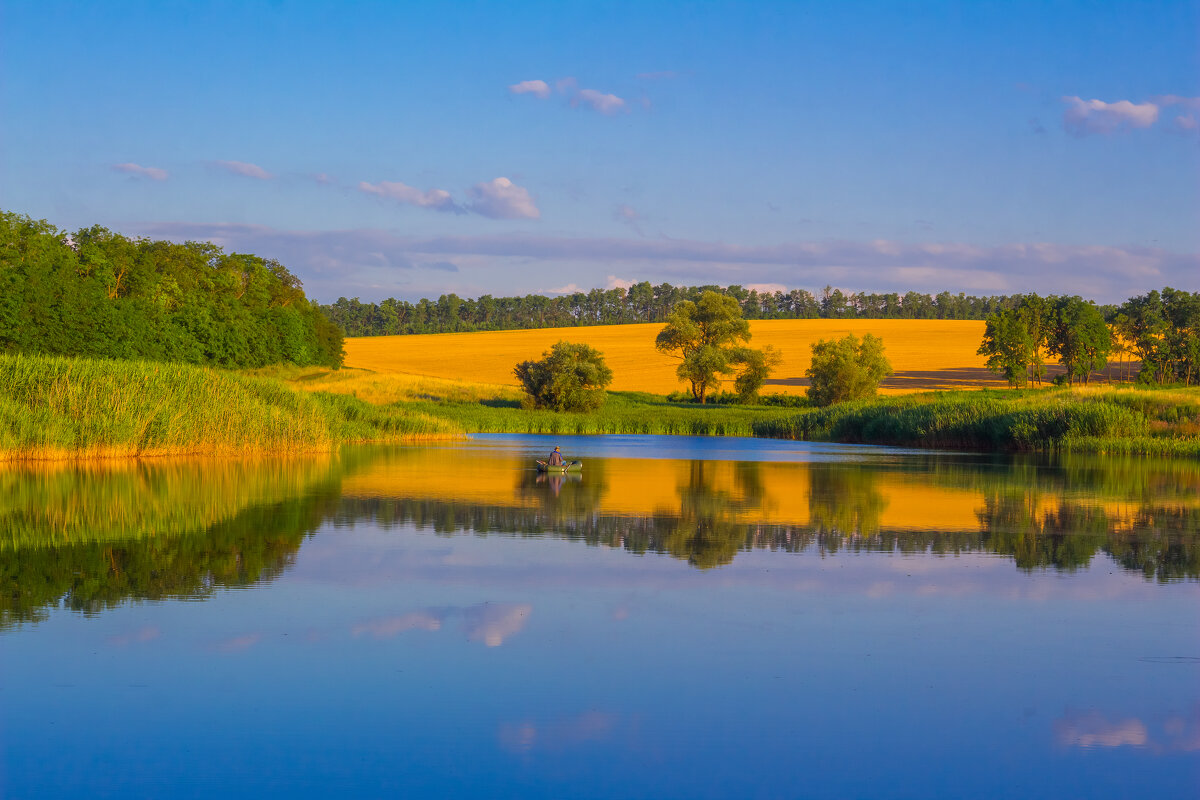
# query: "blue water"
{"type": "Point", "coordinates": [406, 660]}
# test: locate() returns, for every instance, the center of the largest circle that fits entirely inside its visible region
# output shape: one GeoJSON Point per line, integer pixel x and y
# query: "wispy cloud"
{"type": "Point", "coordinates": [388, 627]}
{"type": "Point", "coordinates": [539, 89]}
{"type": "Point", "coordinates": [246, 170]}
{"type": "Point", "coordinates": [153, 173]}
{"type": "Point", "coordinates": [500, 198]}
{"type": "Point", "coordinates": [238, 644]}
{"type": "Point", "coordinates": [1093, 730]}
{"type": "Point", "coordinates": [1084, 117]}
{"type": "Point", "coordinates": [492, 623]}
{"type": "Point", "coordinates": [603, 102]}
{"type": "Point", "coordinates": [437, 199]}
{"type": "Point", "coordinates": [1107, 273]}
{"type": "Point", "coordinates": [599, 101]}
{"type": "Point", "coordinates": [618, 283]}
{"type": "Point", "coordinates": [628, 214]}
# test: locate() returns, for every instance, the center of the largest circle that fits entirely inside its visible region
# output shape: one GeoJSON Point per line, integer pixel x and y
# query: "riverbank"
{"type": "Point", "coordinates": [73, 408]}
{"type": "Point", "coordinates": [60, 408]}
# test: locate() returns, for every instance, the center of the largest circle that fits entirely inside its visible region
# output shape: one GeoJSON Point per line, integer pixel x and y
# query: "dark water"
{"type": "Point", "coordinates": [689, 618]}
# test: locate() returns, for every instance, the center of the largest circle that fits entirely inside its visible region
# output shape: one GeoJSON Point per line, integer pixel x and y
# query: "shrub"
{"type": "Point", "coordinates": [570, 377]}
{"type": "Point", "coordinates": [846, 369]}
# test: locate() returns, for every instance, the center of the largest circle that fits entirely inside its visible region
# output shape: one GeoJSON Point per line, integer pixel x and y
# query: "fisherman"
{"type": "Point", "coordinates": [556, 459]}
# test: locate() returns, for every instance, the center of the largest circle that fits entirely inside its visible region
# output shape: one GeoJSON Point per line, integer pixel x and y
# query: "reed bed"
{"type": "Point", "coordinates": [73, 408]}
{"type": "Point", "coordinates": [1095, 420]}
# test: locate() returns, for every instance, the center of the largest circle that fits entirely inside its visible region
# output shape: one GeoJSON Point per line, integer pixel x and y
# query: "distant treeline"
{"type": "Point", "coordinates": [96, 293]}
{"type": "Point", "coordinates": [643, 302]}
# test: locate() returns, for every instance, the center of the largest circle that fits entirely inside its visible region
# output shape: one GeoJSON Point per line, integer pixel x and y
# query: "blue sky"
{"type": "Point", "coordinates": [410, 149]}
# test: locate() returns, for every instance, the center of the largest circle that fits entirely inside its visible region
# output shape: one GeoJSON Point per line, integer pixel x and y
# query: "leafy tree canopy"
{"type": "Point", "coordinates": [569, 377]}
{"type": "Point", "coordinates": [846, 369]}
{"type": "Point", "coordinates": [709, 336]}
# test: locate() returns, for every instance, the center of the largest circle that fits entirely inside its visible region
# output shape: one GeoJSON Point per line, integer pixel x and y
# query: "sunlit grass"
{"type": "Point", "coordinates": [54, 408]}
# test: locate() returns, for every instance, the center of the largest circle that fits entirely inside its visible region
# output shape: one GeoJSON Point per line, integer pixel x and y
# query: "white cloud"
{"type": "Point", "coordinates": [539, 89]}
{"type": "Point", "coordinates": [618, 283]}
{"type": "Point", "coordinates": [437, 199]}
{"type": "Point", "coordinates": [1083, 117]}
{"type": "Point", "coordinates": [1192, 103]}
{"type": "Point", "coordinates": [502, 199]}
{"type": "Point", "coordinates": [153, 173]}
{"type": "Point", "coordinates": [766, 288]}
{"type": "Point", "coordinates": [566, 85]}
{"type": "Point", "coordinates": [245, 169]}
{"type": "Point", "coordinates": [599, 101]}
{"type": "Point", "coordinates": [492, 623]}
{"type": "Point", "coordinates": [570, 288]}
{"type": "Point", "coordinates": [1186, 122]}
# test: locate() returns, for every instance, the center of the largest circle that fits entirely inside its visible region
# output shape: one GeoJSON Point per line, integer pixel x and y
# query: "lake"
{"type": "Point", "coordinates": [689, 617]}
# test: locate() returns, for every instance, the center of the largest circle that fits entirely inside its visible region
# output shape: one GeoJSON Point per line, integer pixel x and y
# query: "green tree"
{"type": "Point", "coordinates": [846, 369]}
{"type": "Point", "coordinates": [708, 336]}
{"type": "Point", "coordinates": [1009, 346]}
{"type": "Point", "coordinates": [569, 377]}
{"type": "Point", "coordinates": [1079, 336]}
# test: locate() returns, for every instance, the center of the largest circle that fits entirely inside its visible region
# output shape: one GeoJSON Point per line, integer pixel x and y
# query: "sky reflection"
{"type": "Point", "coordinates": [761, 630]}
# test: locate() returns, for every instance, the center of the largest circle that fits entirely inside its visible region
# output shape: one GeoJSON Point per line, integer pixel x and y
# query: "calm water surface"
{"type": "Point", "coordinates": [689, 618]}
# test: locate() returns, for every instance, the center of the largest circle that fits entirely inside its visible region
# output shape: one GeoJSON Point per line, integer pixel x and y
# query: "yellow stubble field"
{"type": "Point", "coordinates": [926, 354]}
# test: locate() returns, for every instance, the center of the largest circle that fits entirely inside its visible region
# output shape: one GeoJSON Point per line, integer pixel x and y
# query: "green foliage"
{"type": "Point", "coordinates": [1164, 331]}
{"type": "Point", "coordinates": [846, 369]}
{"type": "Point", "coordinates": [708, 337]}
{"type": "Point", "coordinates": [1079, 337]}
{"type": "Point", "coordinates": [570, 377]}
{"type": "Point", "coordinates": [95, 293]}
{"type": "Point", "coordinates": [1009, 346]}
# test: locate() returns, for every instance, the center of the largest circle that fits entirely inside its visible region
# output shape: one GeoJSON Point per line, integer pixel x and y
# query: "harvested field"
{"type": "Point", "coordinates": [926, 354]}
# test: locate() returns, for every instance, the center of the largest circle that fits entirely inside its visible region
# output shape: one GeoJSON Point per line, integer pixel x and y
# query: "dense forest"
{"type": "Point", "coordinates": [99, 294]}
{"type": "Point", "coordinates": [643, 302]}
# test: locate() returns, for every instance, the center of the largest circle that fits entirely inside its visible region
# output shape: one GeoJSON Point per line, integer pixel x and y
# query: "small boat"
{"type": "Point", "coordinates": [570, 466]}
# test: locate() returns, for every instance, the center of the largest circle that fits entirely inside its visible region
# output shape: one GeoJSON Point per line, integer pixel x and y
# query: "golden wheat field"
{"type": "Point", "coordinates": [926, 354]}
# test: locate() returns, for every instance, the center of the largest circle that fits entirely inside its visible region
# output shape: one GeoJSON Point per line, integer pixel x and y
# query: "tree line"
{"type": "Point", "coordinates": [100, 294]}
{"type": "Point", "coordinates": [1160, 329]}
{"type": "Point", "coordinates": [642, 302]}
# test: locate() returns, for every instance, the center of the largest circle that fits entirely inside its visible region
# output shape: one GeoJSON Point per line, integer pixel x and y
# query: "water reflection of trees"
{"type": "Point", "coordinates": [89, 540]}
{"type": "Point", "coordinates": [1057, 515]}
{"type": "Point", "coordinates": [1038, 516]}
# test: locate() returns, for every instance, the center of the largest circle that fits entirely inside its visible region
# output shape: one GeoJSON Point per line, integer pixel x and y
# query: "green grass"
{"type": "Point", "coordinates": [1132, 421]}
{"type": "Point", "coordinates": [61, 408]}
{"type": "Point", "coordinates": [53, 408]}
{"type": "Point", "coordinates": [624, 412]}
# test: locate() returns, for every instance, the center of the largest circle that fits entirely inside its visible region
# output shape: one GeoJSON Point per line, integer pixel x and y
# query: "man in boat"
{"type": "Point", "coordinates": [555, 459]}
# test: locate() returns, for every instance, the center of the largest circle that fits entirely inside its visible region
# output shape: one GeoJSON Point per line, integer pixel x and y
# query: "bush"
{"type": "Point", "coordinates": [846, 369]}
{"type": "Point", "coordinates": [570, 377]}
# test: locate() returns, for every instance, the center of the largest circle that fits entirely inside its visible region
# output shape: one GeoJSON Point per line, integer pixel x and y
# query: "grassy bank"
{"type": "Point", "coordinates": [1136, 421]}
{"type": "Point", "coordinates": [55, 408]}
{"type": "Point", "coordinates": [1102, 420]}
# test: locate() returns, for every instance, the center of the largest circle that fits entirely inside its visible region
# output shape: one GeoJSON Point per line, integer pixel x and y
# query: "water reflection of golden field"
{"type": "Point", "coordinates": [770, 493]}
{"type": "Point", "coordinates": [926, 354]}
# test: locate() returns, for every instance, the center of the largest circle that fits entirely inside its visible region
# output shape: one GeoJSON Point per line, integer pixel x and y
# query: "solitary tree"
{"type": "Point", "coordinates": [569, 377]}
{"type": "Point", "coordinates": [708, 337]}
{"type": "Point", "coordinates": [846, 369]}
{"type": "Point", "coordinates": [1009, 346]}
